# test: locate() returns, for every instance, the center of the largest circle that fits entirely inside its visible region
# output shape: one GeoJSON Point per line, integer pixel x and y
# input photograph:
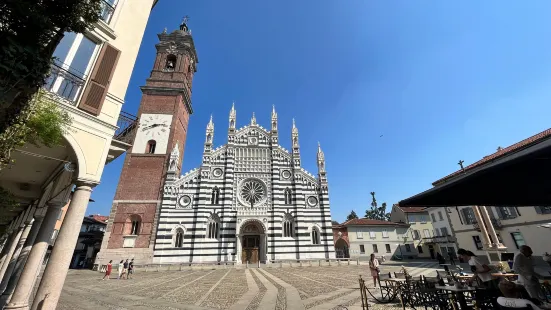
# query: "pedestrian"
{"type": "Point", "coordinates": [481, 270]}
{"type": "Point", "coordinates": [125, 269]}
{"type": "Point", "coordinates": [440, 258]}
{"type": "Point", "coordinates": [524, 267]}
{"type": "Point", "coordinates": [120, 268]}
{"type": "Point", "coordinates": [374, 268]}
{"type": "Point", "coordinates": [108, 270]}
{"type": "Point", "coordinates": [130, 268]}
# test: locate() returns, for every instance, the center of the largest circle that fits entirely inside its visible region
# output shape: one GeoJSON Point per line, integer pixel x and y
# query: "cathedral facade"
{"type": "Point", "coordinates": [249, 201]}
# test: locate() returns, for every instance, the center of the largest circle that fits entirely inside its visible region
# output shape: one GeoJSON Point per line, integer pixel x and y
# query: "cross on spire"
{"type": "Point", "coordinates": [460, 163]}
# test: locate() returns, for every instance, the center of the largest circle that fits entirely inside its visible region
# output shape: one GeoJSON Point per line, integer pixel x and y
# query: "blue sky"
{"type": "Point", "coordinates": [440, 80]}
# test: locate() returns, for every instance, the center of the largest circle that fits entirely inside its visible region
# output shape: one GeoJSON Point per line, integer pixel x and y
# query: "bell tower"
{"type": "Point", "coordinates": [160, 134]}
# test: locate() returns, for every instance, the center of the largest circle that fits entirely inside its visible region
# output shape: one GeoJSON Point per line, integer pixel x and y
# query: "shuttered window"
{"type": "Point", "coordinates": [97, 87]}
{"type": "Point", "coordinates": [505, 213]}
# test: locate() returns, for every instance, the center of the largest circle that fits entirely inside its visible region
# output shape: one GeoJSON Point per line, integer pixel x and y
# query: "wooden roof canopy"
{"type": "Point", "coordinates": [519, 175]}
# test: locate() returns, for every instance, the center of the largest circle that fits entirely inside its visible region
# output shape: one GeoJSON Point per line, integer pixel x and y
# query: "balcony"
{"type": "Point", "coordinates": [65, 83]}
{"type": "Point", "coordinates": [124, 135]}
{"type": "Point", "coordinates": [495, 223]}
{"type": "Point", "coordinates": [440, 239]}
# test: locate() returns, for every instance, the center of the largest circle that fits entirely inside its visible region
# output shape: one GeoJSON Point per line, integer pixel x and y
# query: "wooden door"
{"type": "Point", "coordinates": [250, 255]}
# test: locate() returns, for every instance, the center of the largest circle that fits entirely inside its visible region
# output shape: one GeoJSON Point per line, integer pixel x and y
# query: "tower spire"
{"type": "Point", "coordinates": [274, 126]}
{"type": "Point", "coordinates": [209, 135]}
{"type": "Point", "coordinates": [253, 120]}
{"type": "Point", "coordinates": [322, 174]}
{"type": "Point", "coordinates": [296, 149]}
{"type": "Point", "coordinates": [231, 129]}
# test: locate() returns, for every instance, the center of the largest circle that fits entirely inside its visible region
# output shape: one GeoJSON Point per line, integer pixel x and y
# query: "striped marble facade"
{"type": "Point", "coordinates": [241, 198]}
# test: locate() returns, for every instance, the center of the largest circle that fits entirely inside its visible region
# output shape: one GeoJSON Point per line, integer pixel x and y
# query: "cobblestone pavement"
{"type": "Point", "coordinates": [271, 287]}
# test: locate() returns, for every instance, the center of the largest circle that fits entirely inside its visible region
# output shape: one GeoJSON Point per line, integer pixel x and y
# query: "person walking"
{"type": "Point", "coordinates": [524, 267]}
{"type": "Point", "coordinates": [481, 270]}
{"type": "Point", "coordinates": [125, 269]}
{"type": "Point", "coordinates": [130, 269]}
{"type": "Point", "coordinates": [108, 270]}
{"type": "Point", "coordinates": [120, 268]}
{"type": "Point", "coordinates": [374, 268]}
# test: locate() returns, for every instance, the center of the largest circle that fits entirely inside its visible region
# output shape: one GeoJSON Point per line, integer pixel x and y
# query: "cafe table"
{"type": "Point", "coordinates": [459, 293]}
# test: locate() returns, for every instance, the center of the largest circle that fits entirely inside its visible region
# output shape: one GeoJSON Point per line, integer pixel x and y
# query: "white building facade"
{"type": "Point", "coordinates": [381, 238]}
{"type": "Point", "coordinates": [250, 201]}
{"type": "Point", "coordinates": [443, 235]}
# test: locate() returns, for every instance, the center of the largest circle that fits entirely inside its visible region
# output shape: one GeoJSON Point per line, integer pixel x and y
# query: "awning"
{"type": "Point", "coordinates": [522, 178]}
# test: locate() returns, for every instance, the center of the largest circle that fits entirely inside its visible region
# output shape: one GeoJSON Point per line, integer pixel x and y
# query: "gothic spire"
{"type": "Point", "coordinates": [274, 119]}
{"type": "Point", "coordinates": [253, 120]}
{"type": "Point", "coordinates": [209, 134]}
{"type": "Point", "coordinates": [296, 150]}
{"type": "Point", "coordinates": [321, 159]}
{"type": "Point", "coordinates": [210, 125]}
{"type": "Point", "coordinates": [232, 116]}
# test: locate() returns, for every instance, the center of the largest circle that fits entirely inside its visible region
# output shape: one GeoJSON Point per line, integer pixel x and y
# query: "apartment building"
{"type": "Point", "coordinates": [89, 79]}
{"type": "Point", "coordinates": [443, 236]}
{"type": "Point", "coordinates": [420, 228]}
{"type": "Point", "coordinates": [359, 238]}
{"type": "Point", "coordinates": [514, 226]}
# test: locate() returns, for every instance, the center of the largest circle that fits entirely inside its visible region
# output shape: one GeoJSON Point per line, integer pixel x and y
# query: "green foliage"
{"type": "Point", "coordinates": [377, 213]}
{"type": "Point", "coordinates": [43, 122]}
{"type": "Point", "coordinates": [30, 30]}
{"type": "Point", "coordinates": [7, 200]}
{"type": "Point", "coordinates": [352, 216]}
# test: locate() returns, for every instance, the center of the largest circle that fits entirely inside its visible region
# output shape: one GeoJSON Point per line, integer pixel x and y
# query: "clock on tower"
{"type": "Point", "coordinates": [161, 131]}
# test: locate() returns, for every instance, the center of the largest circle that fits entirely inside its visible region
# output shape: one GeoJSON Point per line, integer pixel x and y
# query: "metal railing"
{"type": "Point", "coordinates": [440, 239]}
{"type": "Point", "coordinates": [495, 223]}
{"type": "Point", "coordinates": [107, 10]}
{"type": "Point", "coordinates": [64, 82]}
{"type": "Point", "coordinates": [127, 125]}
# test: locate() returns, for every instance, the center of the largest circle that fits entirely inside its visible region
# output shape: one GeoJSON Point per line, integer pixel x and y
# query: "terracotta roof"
{"type": "Point", "coordinates": [411, 209]}
{"type": "Point", "coordinates": [371, 222]}
{"type": "Point", "coordinates": [99, 218]}
{"type": "Point", "coordinates": [501, 153]}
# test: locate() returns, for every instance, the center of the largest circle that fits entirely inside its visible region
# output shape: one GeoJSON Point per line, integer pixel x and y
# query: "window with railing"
{"type": "Point", "coordinates": [73, 59]}
{"type": "Point", "coordinates": [107, 9]}
{"type": "Point", "coordinates": [543, 210]}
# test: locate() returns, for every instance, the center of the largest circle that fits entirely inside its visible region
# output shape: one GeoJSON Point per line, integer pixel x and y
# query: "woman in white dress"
{"type": "Point", "coordinates": [120, 268]}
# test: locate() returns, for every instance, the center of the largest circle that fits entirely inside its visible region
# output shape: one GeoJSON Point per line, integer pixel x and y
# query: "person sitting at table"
{"type": "Point", "coordinates": [524, 267]}
{"type": "Point", "coordinates": [513, 298]}
{"type": "Point", "coordinates": [481, 270]}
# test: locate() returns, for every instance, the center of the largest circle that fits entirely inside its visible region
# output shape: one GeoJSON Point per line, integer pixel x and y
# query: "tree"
{"type": "Point", "coordinates": [377, 213]}
{"type": "Point", "coordinates": [334, 223]}
{"type": "Point", "coordinates": [30, 30]}
{"type": "Point", "coordinates": [352, 216]}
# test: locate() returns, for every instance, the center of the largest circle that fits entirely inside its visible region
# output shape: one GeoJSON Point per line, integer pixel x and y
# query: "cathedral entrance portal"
{"type": "Point", "coordinates": [251, 242]}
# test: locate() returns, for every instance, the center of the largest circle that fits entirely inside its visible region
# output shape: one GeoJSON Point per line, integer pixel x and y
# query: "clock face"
{"type": "Point", "coordinates": [154, 126]}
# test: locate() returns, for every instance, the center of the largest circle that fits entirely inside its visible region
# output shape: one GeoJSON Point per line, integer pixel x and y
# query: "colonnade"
{"type": "Point", "coordinates": [25, 242]}
{"type": "Point", "coordinates": [486, 228]}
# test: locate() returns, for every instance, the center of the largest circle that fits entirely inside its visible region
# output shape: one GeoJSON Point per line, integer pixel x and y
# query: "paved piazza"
{"type": "Point", "coordinates": [271, 287]}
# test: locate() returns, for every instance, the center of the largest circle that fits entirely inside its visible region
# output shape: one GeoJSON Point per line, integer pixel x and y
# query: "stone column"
{"type": "Point", "coordinates": [6, 247]}
{"type": "Point", "coordinates": [16, 254]}
{"type": "Point", "coordinates": [491, 229]}
{"type": "Point", "coordinates": [482, 227]}
{"type": "Point", "coordinates": [11, 251]}
{"type": "Point", "coordinates": [22, 260]}
{"type": "Point", "coordinates": [25, 285]}
{"type": "Point", "coordinates": [238, 248]}
{"type": "Point", "coordinates": [53, 278]}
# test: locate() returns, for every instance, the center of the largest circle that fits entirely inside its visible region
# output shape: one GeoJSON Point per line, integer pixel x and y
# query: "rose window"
{"type": "Point", "coordinates": [252, 191]}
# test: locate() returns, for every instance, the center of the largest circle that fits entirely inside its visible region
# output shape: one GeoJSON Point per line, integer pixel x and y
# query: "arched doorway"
{"type": "Point", "coordinates": [252, 242]}
{"type": "Point", "coordinates": [341, 249]}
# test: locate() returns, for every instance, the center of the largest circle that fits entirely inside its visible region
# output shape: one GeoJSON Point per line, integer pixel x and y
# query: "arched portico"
{"type": "Point", "coordinates": [342, 248]}
{"type": "Point", "coordinates": [251, 242]}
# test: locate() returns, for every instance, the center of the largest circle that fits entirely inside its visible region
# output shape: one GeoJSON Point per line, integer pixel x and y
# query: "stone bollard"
{"type": "Point", "coordinates": [246, 264]}
{"type": "Point", "coordinates": [300, 263]}
{"type": "Point", "coordinates": [358, 262]}
{"type": "Point", "coordinates": [339, 262]}
{"type": "Point", "coordinates": [310, 263]}
{"type": "Point", "coordinates": [348, 261]}
{"type": "Point", "coordinates": [319, 262]}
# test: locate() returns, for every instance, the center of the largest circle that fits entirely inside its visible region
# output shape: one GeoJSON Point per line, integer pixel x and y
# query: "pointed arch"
{"type": "Point", "coordinates": [315, 235]}
{"type": "Point", "coordinates": [178, 233]}
{"type": "Point", "coordinates": [288, 224]}
{"type": "Point", "coordinates": [213, 226]}
{"type": "Point", "coordinates": [215, 196]}
{"type": "Point", "coordinates": [288, 196]}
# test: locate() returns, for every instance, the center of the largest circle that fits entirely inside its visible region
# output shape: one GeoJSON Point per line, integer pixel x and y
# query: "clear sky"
{"type": "Point", "coordinates": [439, 80]}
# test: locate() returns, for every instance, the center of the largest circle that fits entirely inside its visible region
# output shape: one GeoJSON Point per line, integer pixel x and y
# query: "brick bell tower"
{"type": "Point", "coordinates": [161, 131]}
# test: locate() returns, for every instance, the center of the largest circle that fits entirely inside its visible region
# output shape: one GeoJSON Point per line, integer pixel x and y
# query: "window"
{"type": "Point", "coordinates": [385, 233]}
{"type": "Point", "coordinates": [179, 238]}
{"type": "Point", "coordinates": [135, 227]}
{"type": "Point", "coordinates": [412, 218]}
{"type": "Point", "coordinates": [287, 196]}
{"type": "Point", "coordinates": [436, 233]}
{"type": "Point", "coordinates": [73, 58]}
{"type": "Point", "coordinates": [288, 229]}
{"type": "Point", "coordinates": [372, 235]}
{"type": "Point", "coordinates": [506, 213]}
{"type": "Point", "coordinates": [315, 236]}
{"type": "Point", "coordinates": [433, 217]}
{"type": "Point", "coordinates": [444, 231]}
{"type": "Point", "coordinates": [132, 225]}
{"type": "Point", "coordinates": [408, 248]}
{"type": "Point", "coordinates": [362, 249]}
{"type": "Point", "coordinates": [375, 249]}
{"type": "Point", "coordinates": [420, 249]}
{"type": "Point", "coordinates": [416, 235]}
{"type": "Point", "coordinates": [214, 197]}
{"type": "Point", "coordinates": [440, 217]}
{"type": "Point", "coordinates": [543, 210]}
{"type": "Point", "coordinates": [170, 65]}
{"type": "Point", "coordinates": [477, 242]}
{"type": "Point", "coordinates": [107, 9]}
{"type": "Point", "coordinates": [387, 247]}
{"type": "Point", "coordinates": [468, 214]}
{"type": "Point", "coordinates": [424, 218]}
{"type": "Point", "coordinates": [150, 148]}
{"type": "Point", "coordinates": [426, 232]}
{"type": "Point", "coordinates": [359, 234]}
{"type": "Point", "coordinates": [212, 230]}
{"type": "Point", "coordinates": [518, 239]}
